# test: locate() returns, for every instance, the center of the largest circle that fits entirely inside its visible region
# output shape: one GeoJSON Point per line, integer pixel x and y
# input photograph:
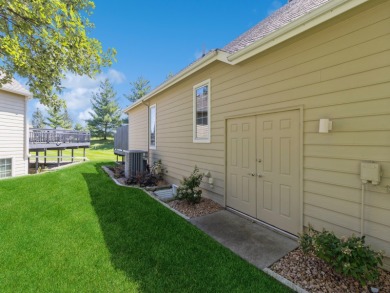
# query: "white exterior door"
{"type": "Point", "coordinates": [278, 170]}
{"type": "Point", "coordinates": [266, 146]}
{"type": "Point", "coordinates": [241, 166]}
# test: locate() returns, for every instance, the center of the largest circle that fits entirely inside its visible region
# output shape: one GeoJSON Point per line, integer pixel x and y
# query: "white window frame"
{"type": "Point", "coordinates": [153, 147]}
{"type": "Point", "coordinates": [195, 87]}
{"type": "Point", "coordinates": [12, 166]}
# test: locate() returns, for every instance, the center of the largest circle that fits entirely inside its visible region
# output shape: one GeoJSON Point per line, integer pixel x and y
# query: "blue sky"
{"type": "Point", "coordinates": [154, 38]}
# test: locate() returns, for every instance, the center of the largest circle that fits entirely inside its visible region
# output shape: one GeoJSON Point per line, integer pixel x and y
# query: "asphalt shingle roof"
{"type": "Point", "coordinates": [283, 16]}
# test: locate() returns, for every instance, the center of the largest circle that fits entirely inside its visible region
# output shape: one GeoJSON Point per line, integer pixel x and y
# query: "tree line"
{"type": "Point", "coordinates": [41, 41]}
{"type": "Point", "coordinates": [105, 115]}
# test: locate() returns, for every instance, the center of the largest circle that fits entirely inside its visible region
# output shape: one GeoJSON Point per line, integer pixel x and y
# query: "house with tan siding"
{"type": "Point", "coordinates": [13, 130]}
{"type": "Point", "coordinates": [250, 114]}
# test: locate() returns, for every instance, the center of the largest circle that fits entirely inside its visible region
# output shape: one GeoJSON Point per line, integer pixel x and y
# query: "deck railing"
{"type": "Point", "coordinates": [121, 141]}
{"type": "Point", "coordinates": [58, 136]}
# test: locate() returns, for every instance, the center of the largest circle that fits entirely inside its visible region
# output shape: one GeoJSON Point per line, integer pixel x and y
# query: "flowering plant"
{"type": "Point", "coordinates": [189, 188]}
{"type": "Point", "coordinates": [349, 256]}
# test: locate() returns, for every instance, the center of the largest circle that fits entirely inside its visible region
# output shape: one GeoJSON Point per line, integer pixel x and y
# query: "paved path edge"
{"type": "Point", "coordinates": [284, 281]}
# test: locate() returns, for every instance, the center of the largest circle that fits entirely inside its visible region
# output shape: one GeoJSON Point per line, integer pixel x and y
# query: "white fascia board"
{"type": "Point", "coordinates": [20, 93]}
{"type": "Point", "coordinates": [197, 65]}
{"type": "Point", "coordinates": [304, 23]}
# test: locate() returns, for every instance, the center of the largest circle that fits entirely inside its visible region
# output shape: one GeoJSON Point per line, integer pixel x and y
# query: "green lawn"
{"type": "Point", "coordinates": [74, 230]}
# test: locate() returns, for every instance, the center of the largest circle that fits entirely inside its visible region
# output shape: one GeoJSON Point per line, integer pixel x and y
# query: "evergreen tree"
{"type": "Point", "coordinates": [58, 117]}
{"type": "Point", "coordinates": [78, 127]}
{"type": "Point", "coordinates": [138, 89]}
{"type": "Point", "coordinates": [38, 121]}
{"type": "Point", "coordinates": [54, 118]}
{"type": "Point", "coordinates": [106, 115]}
{"type": "Point", "coordinates": [67, 120]}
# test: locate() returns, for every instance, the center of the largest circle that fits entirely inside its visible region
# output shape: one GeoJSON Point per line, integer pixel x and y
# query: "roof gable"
{"type": "Point", "coordinates": [15, 87]}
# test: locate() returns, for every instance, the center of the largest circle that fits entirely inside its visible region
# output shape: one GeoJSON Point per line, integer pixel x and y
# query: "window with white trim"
{"type": "Point", "coordinates": [152, 126]}
{"type": "Point", "coordinates": [5, 168]}
{"type": "Point", "coordinates": [201, 100]}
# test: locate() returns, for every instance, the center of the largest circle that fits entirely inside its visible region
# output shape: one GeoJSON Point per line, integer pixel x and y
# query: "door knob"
{"type": "Point", "coordinates": [259, 175]}
{"type": "Point", "coordinates": [252, 174]}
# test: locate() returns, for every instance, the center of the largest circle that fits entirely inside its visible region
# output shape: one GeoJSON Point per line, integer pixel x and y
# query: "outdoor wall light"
{"type": "Point", "coordinates": [325, 126]}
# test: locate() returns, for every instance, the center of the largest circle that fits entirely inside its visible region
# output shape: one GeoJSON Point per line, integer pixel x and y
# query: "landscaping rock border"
{"type": "Point", "coordinates": [314, 275]}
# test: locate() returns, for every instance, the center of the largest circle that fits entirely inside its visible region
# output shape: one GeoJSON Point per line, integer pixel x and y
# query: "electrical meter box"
{"type": "Point", "coordinates": [370, 172]}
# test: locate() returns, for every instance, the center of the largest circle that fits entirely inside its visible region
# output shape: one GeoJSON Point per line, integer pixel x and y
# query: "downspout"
{"type": "Point", "coordinates": [362, 211]}
{"type": "Point", "coordinates": [147, 105]}
{"type": "Point", "coordinates": [26, 135]}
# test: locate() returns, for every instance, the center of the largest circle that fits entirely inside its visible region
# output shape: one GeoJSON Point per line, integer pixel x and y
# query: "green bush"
{"type": "Point", "coordinates": [348, 256]}
{"type": "Point", "coordinates": [189, 189]}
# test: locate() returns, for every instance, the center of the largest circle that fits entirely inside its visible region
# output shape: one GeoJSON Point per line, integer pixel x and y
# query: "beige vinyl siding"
{"type": "Point", "coordinates": [138, 128]}
{"type": "Point", "coordinates": [339, 70]}
{"type": "Point", "coordinates": [12, 131]}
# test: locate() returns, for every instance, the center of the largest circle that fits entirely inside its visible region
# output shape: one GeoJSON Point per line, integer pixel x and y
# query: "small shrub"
{"type": "Point", "coordinates": [119, 171]}
{"type": "Point", "coordinates": [189, 189]}
{"type": "Point", "coordinates": [349, 256]}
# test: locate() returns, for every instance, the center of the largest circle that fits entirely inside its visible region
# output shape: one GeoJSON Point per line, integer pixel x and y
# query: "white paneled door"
{"type": "Point", "coordinates": [241, 166]}
{"type": "Point", "coordinates": [263, 168]}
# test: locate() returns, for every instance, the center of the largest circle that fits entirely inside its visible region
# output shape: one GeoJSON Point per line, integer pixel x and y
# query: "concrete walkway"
{"type": "Point", "coordinates": [257, 244]}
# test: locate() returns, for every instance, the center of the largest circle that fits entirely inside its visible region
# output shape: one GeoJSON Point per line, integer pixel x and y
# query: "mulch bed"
{"type": "Point", "coordinates": [314, 275]}
{"type": "Point", "coordinates": [204, 207]}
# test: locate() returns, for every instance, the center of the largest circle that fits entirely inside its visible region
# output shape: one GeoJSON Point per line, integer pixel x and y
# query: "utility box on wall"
{"type": "Point", "coordinates": [370, 172]}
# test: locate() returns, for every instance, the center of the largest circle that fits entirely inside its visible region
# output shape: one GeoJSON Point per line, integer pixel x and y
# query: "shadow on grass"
{"type": "Point", "coordinates": [161, 251]}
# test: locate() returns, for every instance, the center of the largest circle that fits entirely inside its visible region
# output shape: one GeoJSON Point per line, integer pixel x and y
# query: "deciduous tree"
{"type": "Point", "coordinates": [41, 40]}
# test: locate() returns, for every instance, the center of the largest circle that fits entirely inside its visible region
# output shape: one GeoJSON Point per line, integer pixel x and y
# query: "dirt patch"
{"type": "Point", "coordinates": [204, 207]}
{"type": "Point", "coordinates": [314, 275]}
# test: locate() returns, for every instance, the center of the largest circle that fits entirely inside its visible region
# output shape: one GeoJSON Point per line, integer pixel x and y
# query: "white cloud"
{"type": "Point", "coordinates": [78, 91]}
{"type": "Point", "coordinates": [78, 98]}
{"type": "Point", "coordinates": [275, 5]}
{"type": "Point", "coordinates": [76, 81]}
{"type": "Point", "coordinates": [116, 76]}
{"type": "Point", "coordinates": [84, 115]}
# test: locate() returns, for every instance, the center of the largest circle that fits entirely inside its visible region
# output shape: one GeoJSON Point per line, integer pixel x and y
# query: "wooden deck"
{"type": "Point", "coordinates": [121, 140]}
{"type": "Point", "coordinates": [42, 140]}
{"type": "Point", "coordinates": [55, 139]}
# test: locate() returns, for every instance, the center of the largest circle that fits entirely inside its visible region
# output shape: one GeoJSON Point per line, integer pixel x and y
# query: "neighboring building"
{"type": "Point", "coordinates": [13, 130]}
{"type": "Point", "coordinates": [250, 115]}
